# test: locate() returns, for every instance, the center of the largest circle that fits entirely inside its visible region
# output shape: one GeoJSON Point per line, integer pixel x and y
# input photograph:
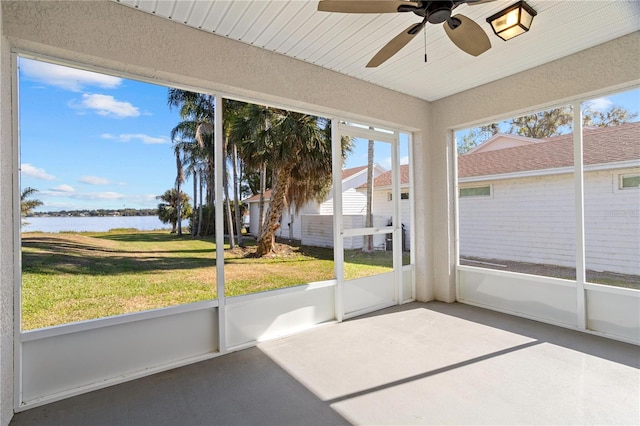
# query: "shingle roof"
{"type": "Point", "coordinates": [385, 178]}
{"type": "Point", "coordinates": [601, 145]}
{"type": "Point", "coordinates": [267, 197]}
{"type": "Point", "coordinates": [346, 173]}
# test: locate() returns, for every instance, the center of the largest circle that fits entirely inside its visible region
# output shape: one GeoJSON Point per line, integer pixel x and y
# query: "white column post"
{"type": "Point", "coordinates": [579, 204]}
{"type": "Point", "coordinates": [219, 203]}
{"type": "Point", "coordinates": [338, 245]}
{"type": "Point", "coordinates": [397, 218]}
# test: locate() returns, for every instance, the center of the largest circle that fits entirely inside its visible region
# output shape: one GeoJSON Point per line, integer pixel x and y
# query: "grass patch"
{"type": "Point", "coordinates": [75, 277]}
{"type": "Point", "coordinates": [70, 277]}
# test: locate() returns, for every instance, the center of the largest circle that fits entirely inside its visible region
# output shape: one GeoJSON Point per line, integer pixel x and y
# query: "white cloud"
{"type": "Point", "coordinates": [127, 137]}
{"type": "Point", "coordinates": [64, 77]}
{"type": "Point", "coordinates": [385, 163]}
{"type": "Point", "coordinates": [29, 170]}
{"type": "Point", "coordinates": [63, 188]}
{"type": "Point", "coordinates": [600, 104]}
{"type": "Point", "coordinates": [106, 105]}
{"type": "Point", "coordinates": [94, 180]}
{"type": "Point", "coordinates": [56, 192]}
{"type": "Point", "coordinates": [103, 196]}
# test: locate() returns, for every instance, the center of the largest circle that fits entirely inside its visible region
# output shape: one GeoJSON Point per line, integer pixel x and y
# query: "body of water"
{"type": "Point", "coordinates": [94, 224]}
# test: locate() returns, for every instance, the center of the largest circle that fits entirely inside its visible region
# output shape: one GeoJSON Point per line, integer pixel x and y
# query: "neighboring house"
{"type": "Point", "coordinates": [382, 205]}
{"type": "Point", "coordinates": [316, 233]}
{"type": "Point", "coordinates": [516, 199]}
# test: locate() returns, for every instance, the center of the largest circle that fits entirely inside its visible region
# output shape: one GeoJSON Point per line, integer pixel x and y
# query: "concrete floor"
{"type": "Point", "coordinates": [419, 363]}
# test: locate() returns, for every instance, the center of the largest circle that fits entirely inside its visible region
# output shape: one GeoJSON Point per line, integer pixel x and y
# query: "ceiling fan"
{"type": "Point", "coordinates": [463, 32]}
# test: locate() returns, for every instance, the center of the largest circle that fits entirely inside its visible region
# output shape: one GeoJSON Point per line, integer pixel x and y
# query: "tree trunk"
{"type": "Point", "coordinates": [368, 220]}
{"type": "Point", "coordinates": [236, 195]}
{"type": "Point", "coordinates": [179, 210]}
{"type": "Point", "coordinates": [277, 205]}
{"type": "Point", "coordinates": [263, 189]}
{"type": "Point", "coordinates": [195, 201]}
{"type": "Point", "coordinates": [225, 182]}
{"type": "Point", "coordinates": [291, 219]}
{"type": "Point", "coordinates": [211, 184]}
{"type": "Point", "coordinates": [201, 203]}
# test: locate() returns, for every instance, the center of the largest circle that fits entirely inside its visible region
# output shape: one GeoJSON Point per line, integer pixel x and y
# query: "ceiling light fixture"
{"type": "Point", "coordinates": [512, 21]}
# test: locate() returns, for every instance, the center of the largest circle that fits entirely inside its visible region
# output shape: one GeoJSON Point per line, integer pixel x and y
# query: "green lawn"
{"type": "Point", "coordinates": [71, 277]}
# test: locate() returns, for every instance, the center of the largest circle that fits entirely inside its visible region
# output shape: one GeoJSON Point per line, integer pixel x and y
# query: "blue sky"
{"type": "Point", "coordinates": [90, 141]}
{"type": "Point", "coordinates": [93, 141]}
{"type": "Point", "coordinates": [629, 100]}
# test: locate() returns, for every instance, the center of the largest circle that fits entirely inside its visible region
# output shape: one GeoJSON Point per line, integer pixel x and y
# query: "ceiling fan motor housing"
{"type": "Point", "coordinates": [438, 12]}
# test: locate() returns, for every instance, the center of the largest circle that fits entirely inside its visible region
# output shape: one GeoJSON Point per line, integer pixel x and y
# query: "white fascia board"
{"type": "Point", "coordinates": [382, 188]}
{"type": "Point", "coordinates": [549, 172]}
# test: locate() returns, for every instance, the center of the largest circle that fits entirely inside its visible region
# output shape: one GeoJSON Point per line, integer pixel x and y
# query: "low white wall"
{"type": "Point", "coordinates": [544, 299]}
{"type": "Point", "coordinates": [363, 294]}
{"type": "Point", "coordinates": [609, 311]}
{"type": "Point", "coordinates": [75, 358]}
{"type": "Point", "coordinates": [613, 312]}
{"type": "Point", "coordinates": [317, 230]}
{"type": "Point", "coordinates": [408, 283]}
{"type": "Point", "coordinates": [267, 315]}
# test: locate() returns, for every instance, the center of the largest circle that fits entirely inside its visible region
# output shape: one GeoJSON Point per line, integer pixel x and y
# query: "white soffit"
{"type": "Point", "coordinates": [345, 42]}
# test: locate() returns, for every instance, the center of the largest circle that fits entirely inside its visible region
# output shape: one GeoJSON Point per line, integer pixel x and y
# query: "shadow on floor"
{"type": "Point", "coordinates": [241, 388]}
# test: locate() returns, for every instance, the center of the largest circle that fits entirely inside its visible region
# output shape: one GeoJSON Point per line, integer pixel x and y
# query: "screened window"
{"type": "Point", "coordinates": [629, 181]}
{"type": "Point", "coordinates": [478, 191]}
{"type": "Point", "coordinates": [403, 196]}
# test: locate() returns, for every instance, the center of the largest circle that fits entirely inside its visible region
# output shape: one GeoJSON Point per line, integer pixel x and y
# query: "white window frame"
{"type": "Point", "coordinates": [461, 187]}
{"type": "Point", "coordinates": [622, 176]}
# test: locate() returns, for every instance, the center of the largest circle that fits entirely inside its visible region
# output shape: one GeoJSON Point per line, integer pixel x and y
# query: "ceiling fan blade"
{"type": "Point", "coordinates": [366, 6]}
{"type": "Point", "coordinates": [397, 43]}
{"type": "Point", "coordinates": [476, 2]}
{"type": "Point", "coordinates": [468, 36]}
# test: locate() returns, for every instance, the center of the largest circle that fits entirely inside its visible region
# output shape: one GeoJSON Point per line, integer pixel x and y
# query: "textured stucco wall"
{"type": "Point", "coordinates": [6, 236]}
{"type": "Point", "coordinates": [611, 65]}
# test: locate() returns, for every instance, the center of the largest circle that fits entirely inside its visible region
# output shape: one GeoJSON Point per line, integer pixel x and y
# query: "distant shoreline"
{"type": "Point", "coordinates": [57, 224]}
{"type": "Point", "coordinates": [96, 213]}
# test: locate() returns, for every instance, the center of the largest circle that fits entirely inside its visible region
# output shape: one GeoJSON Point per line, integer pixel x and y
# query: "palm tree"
{"type": "Point", "coordinates": [231, 110]}
{"type": "Point", "coordinates": [252, 133]}
{"type": "Point", "coordinates": [193, 164]}
{"type": "Point", "coordinates": [296, 147]}
{"type": "Point", "coordinates": [168, 209]}
{"type": "Point", "coordinates": [27, 206]}
{"type": "Point", "coordinates": [197, 111]}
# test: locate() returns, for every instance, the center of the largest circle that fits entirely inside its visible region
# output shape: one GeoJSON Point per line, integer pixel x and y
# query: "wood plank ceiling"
{"type": "Point", "coordinates": [345, 42]}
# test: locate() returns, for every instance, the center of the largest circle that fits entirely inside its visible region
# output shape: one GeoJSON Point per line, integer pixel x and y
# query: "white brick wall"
{"type": "Point", "coordinates": [533, 220]}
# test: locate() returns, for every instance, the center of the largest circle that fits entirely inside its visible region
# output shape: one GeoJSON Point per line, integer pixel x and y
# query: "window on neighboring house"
{"type": "Point", "coordinates": [629, 181]}
{"type": "Point", "coordinates": [403, 196]}
{"type": "Point", "coordinates": [477, 191]}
